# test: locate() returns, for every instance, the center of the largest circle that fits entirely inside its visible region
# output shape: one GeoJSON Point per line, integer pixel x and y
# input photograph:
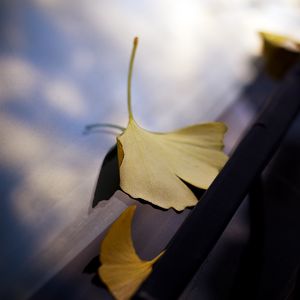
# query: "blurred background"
{"type": "Point", "coordinates": [63, 65]}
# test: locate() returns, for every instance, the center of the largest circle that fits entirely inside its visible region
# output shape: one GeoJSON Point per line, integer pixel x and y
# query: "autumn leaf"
{"type": "Point", "coordinates": [280, 53]}
{"type": "Point", "coordinates": [155, 166]}
{"type": "Point", "coordinates": [122, 270]}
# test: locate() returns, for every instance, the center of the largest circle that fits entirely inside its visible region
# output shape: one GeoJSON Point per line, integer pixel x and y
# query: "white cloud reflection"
{"type": "Point", "coordinates": [56, 181]}
{"type": "Point", "coordinates": [51, 169]}
{"type": "Point", "coordinates": [182, 44]}
{"type": "Point", "coordinates": [17, 78]}
{"type": "Point", "coordinates": [65, 97]}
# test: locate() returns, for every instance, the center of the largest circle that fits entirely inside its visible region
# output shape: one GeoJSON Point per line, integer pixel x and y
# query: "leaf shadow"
{"type": "Point", "coordinates": [92, 269]}
{"type": "Point", "coordinates": [109, 179]}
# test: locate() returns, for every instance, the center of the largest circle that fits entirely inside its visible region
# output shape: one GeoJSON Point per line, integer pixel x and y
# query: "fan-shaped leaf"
{"type": "Point", "coordinates": [122, 270]}
{"type": "Point", "coordinates": [153, 166]}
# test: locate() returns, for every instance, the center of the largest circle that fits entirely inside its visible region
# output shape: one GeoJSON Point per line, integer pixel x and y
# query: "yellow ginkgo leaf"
{"type": "Point", "coordinates": [154, 166]}
{"type": "Point", "coordinates": [122, 270]}
{"type": "Point", "coordinates": [281, 41]}
{"type": "Point", "coordinates": [280, 53]}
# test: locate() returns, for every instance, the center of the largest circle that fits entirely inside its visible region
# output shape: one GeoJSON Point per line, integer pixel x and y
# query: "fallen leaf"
{"type": "Point", "coordinates": [280, 53]}
{"type": "Point", "coordinates": [154, 166]}
{"type": "Point", "coordinates": [122, 270]}
{"type": "Point", "coordinates": [281, 41]}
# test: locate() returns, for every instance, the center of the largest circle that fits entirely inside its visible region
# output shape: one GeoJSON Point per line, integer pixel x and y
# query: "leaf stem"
{"type": "Point", "coordinates": [135, 44]}
{"type": "Point", "coordinates": [91, 127]}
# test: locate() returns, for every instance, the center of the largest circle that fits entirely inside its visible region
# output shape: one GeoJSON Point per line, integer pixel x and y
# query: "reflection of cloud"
{"type": "Point", "coordinates": [82, 60]}
{"type": "Point", "coordinates": [185, 47]}
{"type": "Point", "coordinates": [48, 3]}
{"type": "Point", "coordinates": [42, 189]}
{"type": "Point", "coordinates": [65, 97]}
{"type": "Point", "coordinates": [57, 178]}
{"type": "Point", "coordinates": [21, 145]}
{"type": "Point", "coordinates": [17, 78]}
{"type": "Point", "coordinates": [51, 170]}
{"type": "Point", "coordinates": [56, 182]}
{"type": "Point", "coordinates": [19, 81]}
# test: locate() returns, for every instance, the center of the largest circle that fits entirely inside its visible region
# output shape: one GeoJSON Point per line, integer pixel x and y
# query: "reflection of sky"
{"type": "Point", "coordinates": [63, 64]}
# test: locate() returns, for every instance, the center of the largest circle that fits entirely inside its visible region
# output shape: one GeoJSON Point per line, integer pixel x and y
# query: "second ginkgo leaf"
{"type": "Point", "coordinates": [122, 270]}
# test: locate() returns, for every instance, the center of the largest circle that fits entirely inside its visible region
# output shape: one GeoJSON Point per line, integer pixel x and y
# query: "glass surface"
{"type": "Point", "coordinates": [63, 65]}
